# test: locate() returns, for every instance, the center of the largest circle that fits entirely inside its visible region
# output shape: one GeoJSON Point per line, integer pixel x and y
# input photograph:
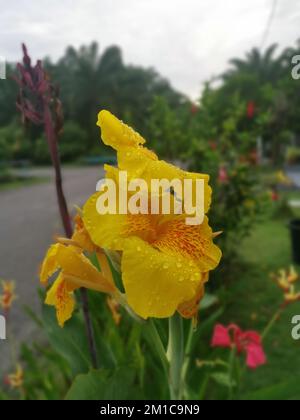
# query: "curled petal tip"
{"type": "Point", "coordinates": [216, 234]}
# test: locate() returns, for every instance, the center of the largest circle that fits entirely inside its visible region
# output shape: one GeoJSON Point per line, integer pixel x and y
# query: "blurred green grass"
{"type": "Point", "coordinates": [20, 183]}
{"type": "Point", "coordinates": [256, 299]}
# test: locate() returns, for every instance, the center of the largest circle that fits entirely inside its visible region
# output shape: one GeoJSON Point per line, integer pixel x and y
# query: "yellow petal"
{"type": "Point", "coordinates": [114, 307]}
{"type": "Point", "coordinates": [135, 160]}
{"type": "Point", "coordinates": [83, 272]}
{"type": "Point", "coordinates": [8, 286]}
{"type": "Point", "coordinates": [105, 267]}
{"type": "Point", "coordinates": [63, 300]}
{"type": "Point", "coordinates": [115, 133]}
{"type": "Point", "coordinates": [283, 284]}
{"type": "Point", "coordinates": [82, 237]}
{"type": "Point", "coordinates": [105, 230]}
{"type": "Point", "coordinates": [8, 296]}
{"type": "Point", "coordinates": [141, 163]}
{"type": "Point", "coordinates": [293, 275]}
{"type": "Point", "coordinates": [15, 380]}
{"type": "Point", "coordinates": [50, 264]}
{"type": "Point", "coordinates": [156, 283]}
{"type": "Point", "coordinates": [193, 242]}
{"type": "Point", "coordinates": [292, 297]}
{"type": "Point", "coordinates": [189, 309]}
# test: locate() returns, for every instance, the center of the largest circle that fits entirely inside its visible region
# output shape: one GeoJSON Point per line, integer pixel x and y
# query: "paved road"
{"type": "Point", "coordinates": [28, 221]}
{"type": "Point", "coordinates": [295, 177]}
{"type": "Point", "coordinates": [293, 172]}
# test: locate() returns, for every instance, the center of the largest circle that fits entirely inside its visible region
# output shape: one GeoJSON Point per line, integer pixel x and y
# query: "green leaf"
{"type": "Point", "coordinates": [222, 379]}
{"type": "Point", "coordinates": [70, 341]}
{"type": "Point", "coordinates": [287, 390]}
{"type": "Point", "coordinates": [208, 301]}
{"type": "Point", "coordinates": [32, 314]}
{"type": "Point", "coordinates": [203, 388]}
{"type": "Point", "coordinates": [102, 385]}
{"type": "Point", "coordinates": [205, 325]}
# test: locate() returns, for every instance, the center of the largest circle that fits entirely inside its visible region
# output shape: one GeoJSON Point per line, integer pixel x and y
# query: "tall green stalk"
{"type": "Point", "coordinates": [271, 324]}
{"type": "Point", "coordinates": [157, 343]}
{"type": "Point", "coordinates": [175, 356]}
{"type": "Point", "coordinates": [231, 372]}
{"type": "Point", "coordinates": [39, 102]}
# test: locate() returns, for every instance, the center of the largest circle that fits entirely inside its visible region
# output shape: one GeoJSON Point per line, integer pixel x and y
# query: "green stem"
{"type": "Point", "coordinates": [230, 372]}
{"type": "Point", "coordinates": [270, 325]}
{"type": "Point", "coordinates": [158, 345]}
{"type": "Point", "coordinates": [175, 356]}
{"type": "Point", "coordinates": [11, 340]}
{"type": "Point", "coordinates": [187, 352]}
{"type": "Point", "coordinates": [240, 377]}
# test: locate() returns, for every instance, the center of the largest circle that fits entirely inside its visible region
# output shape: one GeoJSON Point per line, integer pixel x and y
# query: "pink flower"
{"type": "Point", "coordinates": [248, 342]}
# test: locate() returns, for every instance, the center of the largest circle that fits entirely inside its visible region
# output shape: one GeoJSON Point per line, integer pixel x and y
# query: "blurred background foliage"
{"type": "Point", "coordinates": [255, 97]}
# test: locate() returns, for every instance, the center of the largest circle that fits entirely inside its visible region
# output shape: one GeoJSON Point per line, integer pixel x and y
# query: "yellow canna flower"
{"type": "Point", "coordinates": [164, 261]}
{"type": "Point", "coordinates": [282, 280]}
{"type": "Point", "coordinates": [15, 380]}
{"type": "Point", "coordinates": [8, 295]}
{"type": "Point", "coordinates": [283, 179]}
{"type": "Point", "coordinates": [285, 279]}
{"type": "Point", "coordinates": [292, 297]}
{"type": "Point", "coordinates": [292, 275]}
{"type": "Point", "coordinates": [74, 271]}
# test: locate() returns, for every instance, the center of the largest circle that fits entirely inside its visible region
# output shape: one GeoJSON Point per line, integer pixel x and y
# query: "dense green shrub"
{"type": "Point", "coordinates": [72, 142]}
{"type": "Point", "coordinates": [41, 152]}
{"type": "Point", "coordinates": [9, 136]}
{"type": "Point", "coordinates": [15, 143]}
{"type": "Point", "coordinates": [72, 145]}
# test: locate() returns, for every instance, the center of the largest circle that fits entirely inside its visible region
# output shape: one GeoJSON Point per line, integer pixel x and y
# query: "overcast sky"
{"type": "Point", "coordinates": [188, 41]}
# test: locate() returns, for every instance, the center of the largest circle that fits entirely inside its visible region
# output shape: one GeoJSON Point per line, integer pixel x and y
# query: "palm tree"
{"type": "Point", "coordinates": [263, 66]}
